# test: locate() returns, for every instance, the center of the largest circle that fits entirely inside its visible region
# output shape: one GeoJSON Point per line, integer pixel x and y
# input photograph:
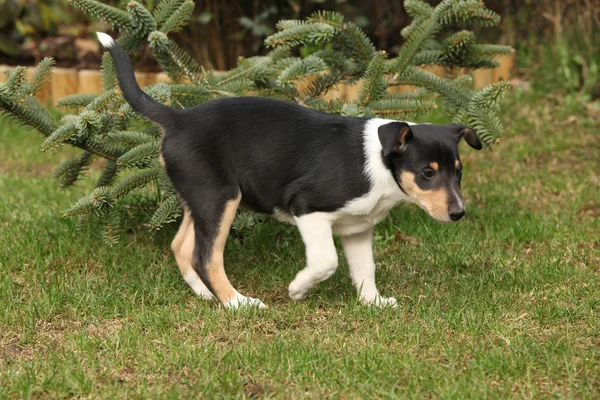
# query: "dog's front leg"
{"type": "Point", "coordinates": [321, 256]}
{"type": "Point", "coordinates": [359, 253]}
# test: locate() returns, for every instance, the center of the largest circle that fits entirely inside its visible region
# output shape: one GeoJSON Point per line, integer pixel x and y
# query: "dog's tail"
{"type": "Point", "coordinates": [135, 96]}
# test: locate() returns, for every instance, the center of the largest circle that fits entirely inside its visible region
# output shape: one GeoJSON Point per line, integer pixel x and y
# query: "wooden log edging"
{"type": "Point", "coordinates": [68, 81]}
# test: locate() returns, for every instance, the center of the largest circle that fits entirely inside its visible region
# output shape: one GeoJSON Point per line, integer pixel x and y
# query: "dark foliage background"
{"type": "Point", "coordinates": [221, 31]}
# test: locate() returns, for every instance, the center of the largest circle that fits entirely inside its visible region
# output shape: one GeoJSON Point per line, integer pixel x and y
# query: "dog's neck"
{"type": "Point", "coordinates": [381, 175]}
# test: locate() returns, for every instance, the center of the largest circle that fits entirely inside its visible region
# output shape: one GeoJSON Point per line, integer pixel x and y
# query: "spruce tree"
{"type": "Point", "coordinates": [104, 127]}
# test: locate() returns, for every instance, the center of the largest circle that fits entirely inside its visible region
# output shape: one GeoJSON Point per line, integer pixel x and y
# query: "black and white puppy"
{"type": "Point", "coordinates": [324, 173]}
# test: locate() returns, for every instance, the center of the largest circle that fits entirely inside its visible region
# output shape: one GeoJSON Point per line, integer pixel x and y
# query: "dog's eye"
{"type": "Point", "coordinates": [428, 173]}
{"type": "Point", "coordinates": [459, 172]}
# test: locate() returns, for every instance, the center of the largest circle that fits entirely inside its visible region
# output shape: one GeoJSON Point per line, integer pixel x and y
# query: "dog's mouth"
{"type": "Point", "coordinates": [434, 212]}
{"type": "Point", "coordinates": [443, 218]}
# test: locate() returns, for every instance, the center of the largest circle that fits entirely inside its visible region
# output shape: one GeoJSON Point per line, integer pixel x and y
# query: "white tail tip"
{"type": "Point", "coordinates": [106, 40]}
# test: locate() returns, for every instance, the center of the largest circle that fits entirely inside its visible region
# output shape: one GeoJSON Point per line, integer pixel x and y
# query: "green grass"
{"type": "Point", "coordinates": [504, 304]}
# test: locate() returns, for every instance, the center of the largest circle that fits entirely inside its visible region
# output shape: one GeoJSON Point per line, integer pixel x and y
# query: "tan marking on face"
{"type": "Point", "coordinates": [435, 202]}
{"type": "Point", "coordinates": [456, 164]}
{"type": "Point", "coordinates": [161, 159]}
{"type": "Point", "coordinates": [434, 166]}
{"type": "Point", "coordinates": [183, 244]}
{"type": "Point", "coordinates": [215, 268]}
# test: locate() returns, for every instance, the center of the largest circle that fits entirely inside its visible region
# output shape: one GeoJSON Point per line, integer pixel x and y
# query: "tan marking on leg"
{"type": "Point", "coordinates": [215, 268]}
{"type": "Point", "coordinates": [435, 202]}
{"type": "Point", "coordinates": [183, 244]}
{"type": "Point", "coordinates": [456, 164]}
{"type": "Point", "coordinates": [434, 166]}
{"type": "Point", "coordinates": [183, 248]}
{"type": "Point", "coordinates": [181, 233]}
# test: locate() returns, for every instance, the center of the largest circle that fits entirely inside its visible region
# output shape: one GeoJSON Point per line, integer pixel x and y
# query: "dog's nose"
{"type": "Point", "coordinates": [456, 215]}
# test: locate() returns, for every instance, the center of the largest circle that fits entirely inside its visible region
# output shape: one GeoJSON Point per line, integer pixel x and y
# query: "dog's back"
{"type": "Point", "coordinates": [271, 149]}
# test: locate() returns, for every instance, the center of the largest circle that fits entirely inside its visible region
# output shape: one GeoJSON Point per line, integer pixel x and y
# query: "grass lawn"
{"type": "Point", "coordinates": [505, 303]}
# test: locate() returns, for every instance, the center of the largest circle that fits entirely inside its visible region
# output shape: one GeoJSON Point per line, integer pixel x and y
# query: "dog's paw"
{"type": "Point", "coordinates": [203, 293]}
{"type": "Point", "coordinates": [198, 286]}
{"type": "Point", "coordinates": [240, 301]}
{"type": "Point", "coordinates": [382, 302]}
{"type": "Point", "coordinates": [298, 291]}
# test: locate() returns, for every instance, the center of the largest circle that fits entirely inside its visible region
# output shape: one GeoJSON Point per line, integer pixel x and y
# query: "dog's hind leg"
{"type": "Point", "coordinates": [321, 256]}
{"type": "Point", "coordinates": [212, 220]}
{"type": "Point", "coordinates": [183, 249]}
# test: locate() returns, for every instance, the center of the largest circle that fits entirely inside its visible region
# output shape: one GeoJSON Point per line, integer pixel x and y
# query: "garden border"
{"type": "Point", "coordinates": [68, 81]}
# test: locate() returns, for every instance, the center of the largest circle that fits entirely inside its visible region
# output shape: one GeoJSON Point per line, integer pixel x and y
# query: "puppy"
{"type": "Point", "coordinates": [324, 173]}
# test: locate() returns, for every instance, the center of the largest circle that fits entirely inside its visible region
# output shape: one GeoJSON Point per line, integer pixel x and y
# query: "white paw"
{"type": "Point", "coordinates": [298, 291]}
{"type": "Point", "coordinates": [205, 295]}
{"type": "Point", "coordinates": [202, 291]}
{"type": "Point", "coordinates": [198, 286]}
{"type": "Point", "coordinates": [381, 302]}
{"type": "Point", "coordinates": [240, 301]}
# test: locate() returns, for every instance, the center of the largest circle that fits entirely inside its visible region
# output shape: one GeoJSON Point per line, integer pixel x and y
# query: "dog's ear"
{"type": "Point", "coordinates": [393, 137]}
{"type": "Point", "coordinates": [468, 133]}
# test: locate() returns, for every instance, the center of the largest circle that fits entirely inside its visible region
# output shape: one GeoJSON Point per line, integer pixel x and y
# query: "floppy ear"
{"type": "Point", "coordinates": [393, 137]}
{"type": "Point", "coordinates": [469, 134]}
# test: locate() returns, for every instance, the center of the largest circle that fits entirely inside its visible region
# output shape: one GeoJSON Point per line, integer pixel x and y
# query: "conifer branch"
{"type": "Point", "coordinates": [111, 15]}
{"type": "Point", "coordinates": [166, 212]}
{"type": "Point", "coordinates": [166, 8]}
{"type": "Point", "coordinates": [77, 100]}
{"type": "Point", "coordinates": [419, 77]}
{"type": "Point", "coordinates": [174, 60]}
{"type": "Point", "coordinates": [141, 156]}
{"type": "Point", "coordinates": [15, 78]}
{"type": "Point", "coordinates": [178, 18]}
{"type": "Point", "coordinates": [134, 182]}
{"type": "Point", "coordinates": [100, 197]}
{"type": "Point", "coordinates": [111, 232]}
{"type": "Point", "coordinates": [69, 171]}
{"type": "Point", "coordinates": [141, 21]}
{"type": "Point", "coordinates": [27, 111]}
{"type": "Point", "coordinates": [299, 69]}
{"type": "Point", "coordinates": [109, 174]}
{"type": "Point", "coordinates": [62, 134]}
{"type": "Point", "coordinates": [418, 9]}
{"type": "Point", "coordinates": [375, 84]}
{"type": "Point", "coordinates": [131, 137]}
{"type": "Point", "coordinates": [41, 74]}
{"type": "Point", "coordinates": [422, 32]}
{"type": "Point", "coordinates": [109, 76]}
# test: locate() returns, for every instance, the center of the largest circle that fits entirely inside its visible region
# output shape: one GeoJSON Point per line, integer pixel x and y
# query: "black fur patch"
{"type": "Point", "coordinates": [280, 155]}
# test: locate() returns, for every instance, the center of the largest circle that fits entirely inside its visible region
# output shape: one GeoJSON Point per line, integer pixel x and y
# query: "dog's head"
{"type": "Point", "coordinates": [425, 163]}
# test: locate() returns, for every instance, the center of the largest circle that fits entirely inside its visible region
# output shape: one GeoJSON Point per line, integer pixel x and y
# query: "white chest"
{"type": "Point", "coordinates": [359, 214]}
{"type": "Point", "coordinates": [364, 212]}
